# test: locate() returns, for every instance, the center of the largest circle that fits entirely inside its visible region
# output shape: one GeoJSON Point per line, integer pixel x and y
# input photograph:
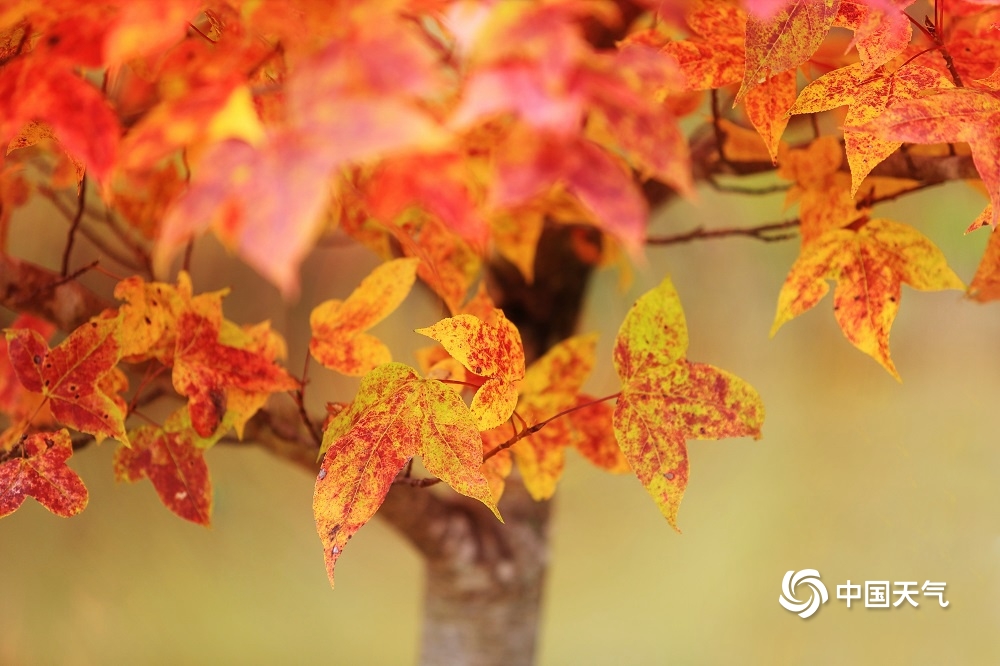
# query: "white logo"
{"type": "Point", "coordinates": [817, 594]}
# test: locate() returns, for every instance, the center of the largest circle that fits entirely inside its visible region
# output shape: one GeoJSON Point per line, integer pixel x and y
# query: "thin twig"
{"type": "Point", "coordinates": [81, 205]}
{"type": "Point", "coordinates": [94, 238]}
{"type": "Point", "coordinates": [69, 278]}
{"type": "Point", "coordinates": [700, 233]}
{"type": "Point", "coordinates": [541, 424]}
{"type": "Point", "coordinates": [742, 189]}
{"type": "Point", "coordinates": [299, 396]}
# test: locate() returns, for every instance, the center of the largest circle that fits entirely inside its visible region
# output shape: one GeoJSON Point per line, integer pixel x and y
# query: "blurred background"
{"type": "Point", "coordinates": [857, 476]}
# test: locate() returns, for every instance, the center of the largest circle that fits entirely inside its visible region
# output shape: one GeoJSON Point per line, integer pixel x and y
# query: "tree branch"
{"type": "Point", "coordinates": [762, 232]}
{"type": "Point", "coordinates": [28, 288]}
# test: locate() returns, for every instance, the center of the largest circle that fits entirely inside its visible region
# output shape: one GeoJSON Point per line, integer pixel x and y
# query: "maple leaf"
{"type": "Point", "coordinates": [715, 56]}
{"type": "Point", "coordinates": [867, 95]}
{"type": "Point", "coordinates": [74, 375]}
{"type": "Point", "coordinates": [628, 113]}
{"type": "Point", "coordinates": [767, 108]}
{"type": "Point", "coordinates": [491, 349]}
{"type": "Point", "coordinates": [16, 401]}
{"type": "Point", "coordinates": [38, 469]}
{"type": "Point", "coordinates": [78, 114]}
{"type": "Point", "coordinates": [68, 170]}
{"type": "Point", "coordinates": [821, 190]}
{"type": "Point", "coordinates": [551, 385]}
{"type": "Point", "coordinates": [147, 26]}
{"type": "Point", "coordinates": [961, 114]}
{"type": "Point", "coordinates": [448, 264]}
{"type": "Point", "coordinates": [881, 29]}
{"type": "Point", "coordinates": [985, 285]}
{"type": "Point", "coordinates": [338, 338]}
{"type": "Point", "coordinates": [528, 166]}
{"type": "Point", "coordinates": [221, 380]}
{"type": "Point", "coordinates": [593, 435]}
{"type": "Point", "coordinates": [226, 372]}
{"type": "Point", "coordinates": [174, 465]}
{"type": "Point", "coordinates": [869, 266]}
{"type": "Point", "coordinates": [396, 415]}
{"type": "Point", "coordinates": [785, 39]}
{"type": "Point", "coordinates": [438, 183]}
{"type": "Point", "coordinates": [666, 399]}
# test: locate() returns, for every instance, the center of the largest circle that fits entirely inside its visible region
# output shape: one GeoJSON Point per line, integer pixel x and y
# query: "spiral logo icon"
{"type": "Point", "coordinates": [817, 592]}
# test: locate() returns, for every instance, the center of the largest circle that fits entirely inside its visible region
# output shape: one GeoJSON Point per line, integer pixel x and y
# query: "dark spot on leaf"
{"type": "Point", "coordinates": [53, 40]}
{"type": "Point", "coordinates": [37, 359]}
{"type": "Point", "coordinates": [892, 299]}
{"type": "Point", "coordinates": [148, 320]}
{"type": "Point", "coordinates": [93, 324]}
{"type": "Point", "coordinates": [47, 382]}
{"type": "Point", "coordinates": [857, 298]}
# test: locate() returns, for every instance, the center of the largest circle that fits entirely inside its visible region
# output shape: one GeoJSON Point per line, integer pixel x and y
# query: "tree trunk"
{"type": "Point", "coordinates": [483, 593]}
{"type": "Point", "coordinates": [484, 581]}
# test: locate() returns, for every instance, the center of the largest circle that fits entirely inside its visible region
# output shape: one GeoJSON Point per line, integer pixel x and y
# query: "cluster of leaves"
{"type": "Point", "coordinates": [224, 372]}
{"type": "Point", "coordinates": [441, 134]}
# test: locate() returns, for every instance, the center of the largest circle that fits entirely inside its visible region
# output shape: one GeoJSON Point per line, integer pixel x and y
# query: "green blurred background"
{"type": "Point", "coordinates": [857, 476]}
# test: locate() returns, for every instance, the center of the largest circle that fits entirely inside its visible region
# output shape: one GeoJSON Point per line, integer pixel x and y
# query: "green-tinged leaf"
{"type": "Point", "coordinates": [667, 400]}
{"type": "Point", "coordinates": [397, 415]}
{"type": "Point", "coordinates": [490, 349]}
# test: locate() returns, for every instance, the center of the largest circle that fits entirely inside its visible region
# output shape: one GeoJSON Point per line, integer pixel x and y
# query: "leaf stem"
{"type": "Point", "coordinates": [299, 396]}
{"type": "Point", "coordinates": [541, 424]}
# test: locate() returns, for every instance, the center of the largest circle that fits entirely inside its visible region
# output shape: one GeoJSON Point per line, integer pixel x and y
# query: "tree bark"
{"type": "Point", "coordinates": [483, 594]}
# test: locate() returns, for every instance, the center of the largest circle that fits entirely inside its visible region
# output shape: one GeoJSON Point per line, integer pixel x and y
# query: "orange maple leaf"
{"type": "Point", "coordinates": [530, 165]}
{"type": "Point", "coordinates": [490, 349]}
{"type": "Point", "coordinates": [396, 415]}
{"type": "Point", "coordinates": [881, 29]}
{"type": "Point", "coordinates": [174, 465]}
{"type": "Point", "coordinates": [16, 402]}
{"type": "Point", "coordinates": [551, 385]}
{"type": "Point", "coordinates": [226, 372]}
{"type": "Point", "coordinates": [869, 266]}
{"type": "Point", "coordinates": [960, 114]}
{"type": "Point", "coordinates": [339, 340]}
{"type": "Point", "coordinates": [716, 57]}
{"type": "Point", "coordinates": [867, 94]}
{"type": "Point", "coordinates": [666, 399]}
{"type": "Point", "coordinates": [985, 285]}
{"type": "Point", "coordinates": [785, 39]}
{"type": "Point", "coordinates": [37, 468]}
{"type": "Point", "coordinates": [79, 376]}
